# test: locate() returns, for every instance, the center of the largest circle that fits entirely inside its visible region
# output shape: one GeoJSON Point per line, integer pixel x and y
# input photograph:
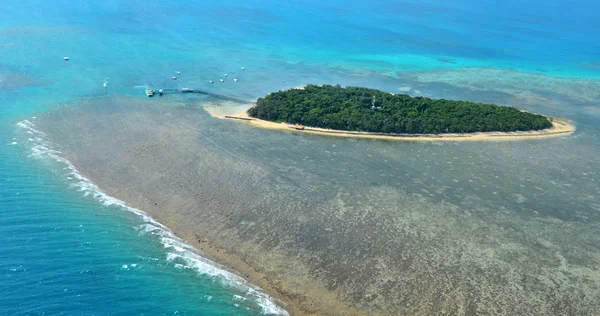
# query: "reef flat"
{"type": "Point", "coordinates": [348, 226]}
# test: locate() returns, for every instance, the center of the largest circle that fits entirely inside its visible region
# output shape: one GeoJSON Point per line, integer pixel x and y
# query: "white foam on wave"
{"type": "Point", "coordinates": [178, 249]}
{"type": "Point", "coordinates": [239, 298]}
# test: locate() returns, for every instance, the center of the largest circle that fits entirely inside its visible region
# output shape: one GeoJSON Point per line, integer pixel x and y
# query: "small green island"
{"type": "Point", "coordinates": [370, 110]}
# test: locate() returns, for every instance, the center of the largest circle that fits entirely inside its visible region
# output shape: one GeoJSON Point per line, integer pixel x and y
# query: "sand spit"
{"type": "Point", "coordinates": [335, 227]}
{"type": "Point", "coordinates": [560, 127]}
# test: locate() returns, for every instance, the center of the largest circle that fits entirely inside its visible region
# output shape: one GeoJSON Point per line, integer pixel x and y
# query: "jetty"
{"type": "Point", "coordinates": [237, 117]}
{"type": "Point", "coordinates": [160, 92]}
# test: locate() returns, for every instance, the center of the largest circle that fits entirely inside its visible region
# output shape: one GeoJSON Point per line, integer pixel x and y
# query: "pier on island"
{"type": "Point", "coordinates": [160, 92]}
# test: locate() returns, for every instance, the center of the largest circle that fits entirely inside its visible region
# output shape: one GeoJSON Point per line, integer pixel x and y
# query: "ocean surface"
{"type": "Point", "coordinates": [68, 249]}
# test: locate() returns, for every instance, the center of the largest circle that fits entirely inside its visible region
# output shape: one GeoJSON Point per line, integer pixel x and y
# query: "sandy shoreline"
{"type": "Point", "coordinates": [560, 127]}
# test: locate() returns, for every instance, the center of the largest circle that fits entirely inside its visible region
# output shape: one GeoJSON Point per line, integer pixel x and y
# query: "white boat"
{"type": "Point", "coordinates": [66, 58]}
{"type": "Point", "coordinates": [225, 75]}
{"type": "Point", "coordinates": [174, 78]}
{"type": "Point", "coordinates": [243, 68]}
{"type": "Point", "coordinates": [235, 79]}
{"type": "Point", "coordinates": [211, 81]}
{"type": "Point", "coordinates": [221, 80]}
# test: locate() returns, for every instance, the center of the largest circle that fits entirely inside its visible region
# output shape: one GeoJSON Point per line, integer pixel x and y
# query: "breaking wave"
{"type": "Point", "coordinates": [178, 249]}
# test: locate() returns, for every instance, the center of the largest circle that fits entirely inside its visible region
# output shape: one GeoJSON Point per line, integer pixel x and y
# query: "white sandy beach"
{"type": "Point", "coordinates": [560, 127]}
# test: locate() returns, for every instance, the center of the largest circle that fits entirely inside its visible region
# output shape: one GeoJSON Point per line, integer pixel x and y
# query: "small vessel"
{"type": "Point", "coordinates": [187, 90]}
{"type": "Point", "coordinates": [65, 58]}
{"type": "Point", "coordinates": [243, 68]}
{"type": "Point", "coordinates": [225, 75]}
{"type": "Point", "coordinates": [149, 92]}
{"type": "Point", "coordinates": [211, 81]}
{"type": "Point", "coordinates": [160, 92]}
{"type": "Point", "coordinates": [221, 80]}
{"type": "Point", "coordinates": [179, 73]}
{"type": "Point", "coordinates": [174, 78]}
{"type": "Point", "coordinates": [235, 79]}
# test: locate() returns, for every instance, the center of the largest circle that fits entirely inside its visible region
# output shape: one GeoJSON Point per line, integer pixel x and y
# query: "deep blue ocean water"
{"type": "Point", "coordinates": [65, 251]}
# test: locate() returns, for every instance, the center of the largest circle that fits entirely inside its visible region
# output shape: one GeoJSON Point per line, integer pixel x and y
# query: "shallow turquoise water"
{"type": "Point", "coordinates": [64, 251]}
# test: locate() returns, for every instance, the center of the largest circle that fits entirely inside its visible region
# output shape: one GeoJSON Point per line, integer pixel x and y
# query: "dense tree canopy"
{"type": "Point", "coordinates": [370, 110]}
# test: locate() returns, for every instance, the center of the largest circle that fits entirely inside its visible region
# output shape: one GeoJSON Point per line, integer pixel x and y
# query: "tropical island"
{"type": "Point", "coordinates": [374, 111]}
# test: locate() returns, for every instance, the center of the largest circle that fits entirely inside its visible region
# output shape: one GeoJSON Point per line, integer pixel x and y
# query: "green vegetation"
{"type": "Point", "coordinates": [363, 109]}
